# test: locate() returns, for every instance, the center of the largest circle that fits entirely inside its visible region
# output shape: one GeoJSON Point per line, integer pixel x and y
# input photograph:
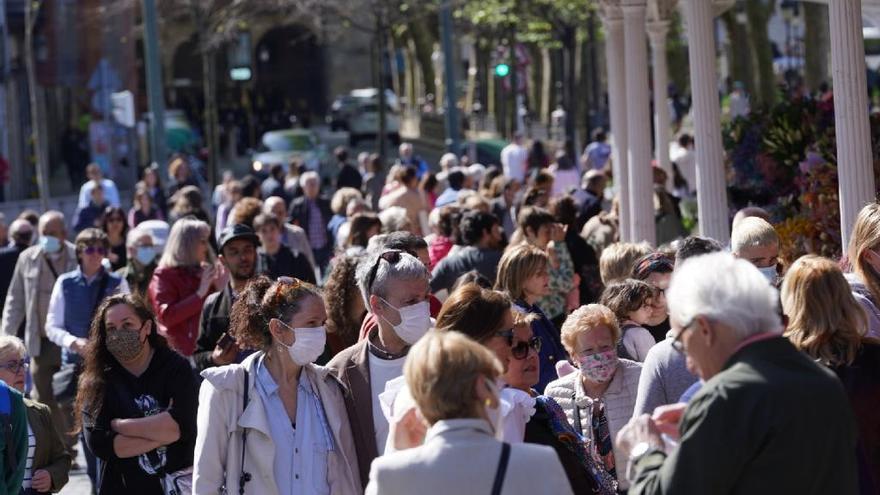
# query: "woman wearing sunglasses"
{"type": "Point", "coordinates": [114, 225]}
{"type": "Point", "coordinates": [48, 460]}
{"type": "Point", "coordinates": [523, 274]}
{"type": "Point", "coordinates": [548, 425]}
{"type": "Point", "coordinates": [276, 423]}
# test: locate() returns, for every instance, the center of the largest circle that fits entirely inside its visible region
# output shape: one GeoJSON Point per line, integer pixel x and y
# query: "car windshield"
{"type": "Point", "coordinates": [288, 142]}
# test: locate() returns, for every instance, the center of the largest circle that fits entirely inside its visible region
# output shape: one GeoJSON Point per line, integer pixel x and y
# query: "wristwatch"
{"type": "Point", "coordinates": [638, 451]}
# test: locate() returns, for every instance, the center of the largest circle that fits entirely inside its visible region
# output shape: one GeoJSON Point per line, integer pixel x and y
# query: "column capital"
{"type": "Point", "coordinates": [610, 12]}
{"type": "Point", "coordinates": [633, 7]}
{"type": "Point", "coordinates": [661, 10]}
{"type": "Point", "coordinates": [657, 31]}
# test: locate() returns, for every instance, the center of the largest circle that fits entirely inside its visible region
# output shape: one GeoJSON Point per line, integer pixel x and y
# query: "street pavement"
{"type": "Point", "coordinates": [79, 483]}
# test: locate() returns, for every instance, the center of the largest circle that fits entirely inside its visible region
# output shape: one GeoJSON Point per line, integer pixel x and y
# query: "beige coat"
{"type": "Point", "coordinates": [220, 423]}
{"type": "Point", "coordinates": [21, 300]}
{"type": "Point", "coordinates": [460, 457]}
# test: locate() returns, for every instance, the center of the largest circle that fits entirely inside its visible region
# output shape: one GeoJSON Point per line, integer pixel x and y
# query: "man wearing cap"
{"type": "Point", "coordinates": [238, 253]}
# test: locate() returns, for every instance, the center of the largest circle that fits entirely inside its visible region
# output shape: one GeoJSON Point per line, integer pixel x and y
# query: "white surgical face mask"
{"type": "Point", "coordinates": [415, 320]}
{"type": "Point", "coordinates": [769, 272]}
{"type": "Point", "coordinates": [309, 344]}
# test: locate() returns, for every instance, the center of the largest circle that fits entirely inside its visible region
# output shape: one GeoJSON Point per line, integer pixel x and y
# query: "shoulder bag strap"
{"type": "Point", "coordinates": [577, 414]}
{"type": "Point", "coordinates": [102, 286]}
{"type": "Point", "coordinates": [51, 266]}
{"type": "Point", "coordinates": [245, 476]}
{"type": "Point", "coordinates": [502, 469]}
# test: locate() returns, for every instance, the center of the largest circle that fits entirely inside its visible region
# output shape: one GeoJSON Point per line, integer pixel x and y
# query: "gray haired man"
{"type": "Point", "coordinates": [394, 286]}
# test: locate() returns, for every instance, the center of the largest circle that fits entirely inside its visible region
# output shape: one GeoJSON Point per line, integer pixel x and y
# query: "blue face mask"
{"type": "Point", "coordinates": [769, 272]}
{"type": "Point", "coordinates": [50, 244]}
{"type": "Point", "coordinates": [145, 255]}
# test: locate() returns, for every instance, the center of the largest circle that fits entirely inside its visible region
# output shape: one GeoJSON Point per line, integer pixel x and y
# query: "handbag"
{"type": "Point", "coordinates": [178, 482]}
{"type": "Point", "coordinates": [65, 380]}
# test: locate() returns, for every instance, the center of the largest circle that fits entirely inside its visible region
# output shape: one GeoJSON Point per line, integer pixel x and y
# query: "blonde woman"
{"type": "Point", "coordinates": [599, 400]}
{"type": "Point", "coordinates": [48, 460]}
{"type": "Point", "coordinates": [186, 274]}
{"type": "Point", "coordinates": [523, 273]}
{"type": "Point", "coordinates": [864, 257]}
{"type": "Point", "coordinates": [454, 383]}
{"type": "Point", "coordinates": [540, 229]}
{"type": "Point", "coordinates": [826, 323]}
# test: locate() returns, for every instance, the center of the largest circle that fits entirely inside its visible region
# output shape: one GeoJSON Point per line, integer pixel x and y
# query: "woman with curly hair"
{"type": "Point", "coordinates": [345, 306]}
{"type": "Point", "coordinates": [276, 423]}
{"type": "Point", "coordinates": [136, 402]}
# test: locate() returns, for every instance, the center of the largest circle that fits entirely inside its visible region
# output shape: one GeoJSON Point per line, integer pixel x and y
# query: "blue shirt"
{"type": "Point", "coordinates": [448, 196]}
{"type": "Point", "coordinates": [301, 449]}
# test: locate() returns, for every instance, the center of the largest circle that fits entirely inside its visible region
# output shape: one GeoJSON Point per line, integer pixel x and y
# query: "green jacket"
{"type": "Point", "coordinates": [50, 453]}
{"type": "Point", "coordinates": [10, 478]}
{"type": "Point", "coordinates": [771, 422]}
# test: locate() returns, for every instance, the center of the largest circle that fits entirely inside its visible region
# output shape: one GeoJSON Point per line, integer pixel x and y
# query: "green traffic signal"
{"type": "Point", "coordinates": [502, 70]}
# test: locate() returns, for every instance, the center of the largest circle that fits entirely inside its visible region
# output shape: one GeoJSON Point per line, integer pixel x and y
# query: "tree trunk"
{"type": "Point", "coordinates": [816, 44]}
{"type": "Point", "coordinates": [569, 42]}
{"type": "Point", "coordinates": [424, 47]}
{"type": "Point", "coordinates": [740, 62]}
{"type": "Point", "coordinates": [759, 13]}
{"type": "Point", "coordinates": [382, 134]}
{"type": "Point", "coordinates": [209, 92]}
{"type": "Point", "coordinates": [546, 85]}
{"type": "Point", "coordinates": [37, 103]}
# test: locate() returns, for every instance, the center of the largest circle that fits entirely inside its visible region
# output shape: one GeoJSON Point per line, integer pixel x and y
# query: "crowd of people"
{"type": "Point", "coordinates": [450, 329]}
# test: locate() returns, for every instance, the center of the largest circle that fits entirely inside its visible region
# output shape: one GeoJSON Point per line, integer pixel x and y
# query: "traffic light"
{"type": "Point", "coordinates": [502, 70]}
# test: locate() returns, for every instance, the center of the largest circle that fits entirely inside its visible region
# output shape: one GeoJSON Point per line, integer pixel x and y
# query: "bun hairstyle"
{"type": "Point", "coordinates": [263, 300]}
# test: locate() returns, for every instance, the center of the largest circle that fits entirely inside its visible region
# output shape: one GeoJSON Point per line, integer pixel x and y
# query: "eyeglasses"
{"type": "Point", "coordinates": [677, 344]}
{"type": "Point", "coordinates": [521, 349]}
{"type": "Point", "coordinates": [391, 257]}
{"type": "Point", "coordinates": [95, 250]}
{"type": "Point", "coordinates": [15, 366]}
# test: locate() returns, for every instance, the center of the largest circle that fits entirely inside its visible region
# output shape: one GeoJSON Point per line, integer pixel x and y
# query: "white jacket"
{"type": "Point", "coordinates": [619, 400]}
{"type": "Point", "coordinates": [221, 420]}
{"type": "Point", "coordinates": [460, 457]}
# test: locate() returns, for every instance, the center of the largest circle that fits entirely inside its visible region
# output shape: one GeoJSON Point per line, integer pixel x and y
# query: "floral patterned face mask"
{"type": "Point", "coordinates": [599, 367]}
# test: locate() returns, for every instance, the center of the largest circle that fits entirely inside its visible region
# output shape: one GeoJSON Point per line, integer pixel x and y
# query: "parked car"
{"type": "Point", "coordinates": [282, 146]}
{"type": "Point", "coordinates": [358, 113]}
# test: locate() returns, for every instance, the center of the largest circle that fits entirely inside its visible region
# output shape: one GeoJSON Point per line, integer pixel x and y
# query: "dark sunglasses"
{"type": "Point", "coordinates": [15, 366]}
{"type": "Point", "coordinates": [95, 250]}
{"type": "Point", "coordinates": [283, 285]}
{"type": "Point", "coordinates": [521, 349]}
{"type": "Point", "coordinates": [391, 257]}
{"type": "Point", "coordinates": [115, 219]}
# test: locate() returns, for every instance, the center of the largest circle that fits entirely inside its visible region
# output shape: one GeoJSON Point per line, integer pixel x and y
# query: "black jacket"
{"type": "Point", "coordinates": [8, 258]}
{"type": "Point", "coordinates": [299, 214]}
{"type": "Point", "coordinates": [213, 323]}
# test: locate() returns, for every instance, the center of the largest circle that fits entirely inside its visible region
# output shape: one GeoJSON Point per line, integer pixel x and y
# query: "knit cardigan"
{"type": "Point", "coordinates": [619, 400]}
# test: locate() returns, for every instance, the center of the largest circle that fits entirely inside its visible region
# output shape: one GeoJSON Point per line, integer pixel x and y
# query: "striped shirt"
{"type": "Point", "coordinates": [29, 465]}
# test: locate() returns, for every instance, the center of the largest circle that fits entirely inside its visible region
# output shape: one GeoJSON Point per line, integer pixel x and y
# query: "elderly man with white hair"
{"type": "Point", "coordinates": [292, 236]}
{"type": "Point", "coordinates": [756, 241]}
{"type": "Point", "coordinates": [312, 213]}
{"type": "Point", "coordinates": [768, 419]}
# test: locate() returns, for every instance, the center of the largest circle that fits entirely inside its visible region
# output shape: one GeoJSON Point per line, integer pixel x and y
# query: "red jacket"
{"type": "Point", "coordinates": [173, 296]}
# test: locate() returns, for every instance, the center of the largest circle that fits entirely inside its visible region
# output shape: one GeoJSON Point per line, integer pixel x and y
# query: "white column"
{"type": "Point", "coordinates": [854, 160]}
{"type": "Point", "coordinates": [657, 31]}
{"type": "Point", "coordinates": [614, 58]}
{"type": "Point", "coordinates": [638, 119]}
{"type": "Point", "coordinates": [711, 184]}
